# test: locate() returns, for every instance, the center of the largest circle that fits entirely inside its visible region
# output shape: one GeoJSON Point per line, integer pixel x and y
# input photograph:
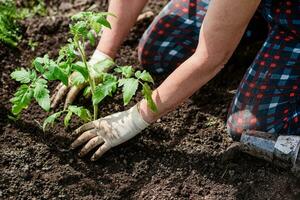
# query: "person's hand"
{"type": "Point", "coordinates": [61, 89]}
{"type": "Point", "coordinates": [109, 132]}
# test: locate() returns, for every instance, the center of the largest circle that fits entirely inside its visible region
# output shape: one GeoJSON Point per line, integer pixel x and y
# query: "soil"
{"type": "Point", "coordinates": [178, 157]}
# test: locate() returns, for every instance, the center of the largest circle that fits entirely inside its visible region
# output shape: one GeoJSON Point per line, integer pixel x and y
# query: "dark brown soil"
{"type": "Point", "coordinates": [178, 157]}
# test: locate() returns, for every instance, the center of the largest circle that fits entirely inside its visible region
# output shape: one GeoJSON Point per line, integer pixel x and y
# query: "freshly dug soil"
{"type": "Point", "coordinates": [178, 157]}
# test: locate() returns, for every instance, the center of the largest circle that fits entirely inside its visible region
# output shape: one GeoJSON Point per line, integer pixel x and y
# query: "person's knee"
{"type": "Point", "coordinates": [240, 121]}
{"type": "Point", "coordinates": [155, 56]}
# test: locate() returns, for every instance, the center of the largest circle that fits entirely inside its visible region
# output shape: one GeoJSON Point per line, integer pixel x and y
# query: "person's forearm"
{"type": "Point", "coordinates": [126, 12]}
{"type": "Point", "coordinates": [221, 32]}
{"type": "Point", "coordinates": [181, 84]}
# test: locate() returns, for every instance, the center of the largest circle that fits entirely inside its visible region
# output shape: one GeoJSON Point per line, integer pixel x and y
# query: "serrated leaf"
{"type": "Point", "coordinates": [147, 93]}
{"type": "Point", "coordinates": [41, 94]}
{"type": "Point", "coordinates": [22, 75]}
{"type": "Point", "coordinates": [109, 78]}
{"type": "Point", "coordinates": [21, 99]}
{"type": "Point", "coordinates": [80, 28]}
{"type": "Point", "coordinates": [101, 19]}
{"type": "Point", "coordinates": [107, 88]}
{"type": "Point", "coordinates": [121, 82]}
{"type": "Point", "coordinates": [51, 119]}
{"type": "Point", "coordinates": [60, 75]}
{"type": "Point", "coordinates": [81, 112]}
{"type": "Point", "coordinates": [145, 76]}
{"type": "Point", "coordinates": [91, 38]}
{"type": "Point", "coordinates": [38, 64]}
{"type": "Point", "coordinates": [49, 66]}
{"type": "Point", "coordinates": [67, 118]}
{"type": "Point", "coordinates": [126, 71]}
{"type": "Point", "coordinates": [80, 67]}
{"type": "Point", "coordinates": [130, 86]}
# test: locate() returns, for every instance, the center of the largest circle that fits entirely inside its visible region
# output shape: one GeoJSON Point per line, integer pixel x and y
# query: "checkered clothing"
{"type": "Point", "coordinates": [269, 94]}
{"type": "Point", "coordinates": [173, 35]}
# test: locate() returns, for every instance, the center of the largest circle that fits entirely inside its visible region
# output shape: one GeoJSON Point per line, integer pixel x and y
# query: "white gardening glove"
{"type": "Point", "coordinates": [61, 89]}
{"type": "Point", "coordinates": [109, 132]}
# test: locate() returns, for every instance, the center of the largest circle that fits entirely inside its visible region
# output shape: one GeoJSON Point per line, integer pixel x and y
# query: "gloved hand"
{"type": "Point", "coordinates": [61, 89]}
{"type": "Point", "coordinates": [109, 132]}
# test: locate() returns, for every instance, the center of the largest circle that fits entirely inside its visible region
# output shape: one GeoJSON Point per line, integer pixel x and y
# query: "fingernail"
{"type": "Point", "coordinates": [71, 146]}
{"type": "Point", "coordinates": [79, 154]}
{"type": "Point", "coordinates": [93, 158]}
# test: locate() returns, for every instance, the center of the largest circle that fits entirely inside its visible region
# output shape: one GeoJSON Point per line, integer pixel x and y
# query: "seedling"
{"type": "Point", "coordinates": [72, 60]}
{"type": "Point", "coordinates": [10, 15]}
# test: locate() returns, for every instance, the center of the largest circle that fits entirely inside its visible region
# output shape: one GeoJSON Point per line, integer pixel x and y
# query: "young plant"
{"type": "Point", "coordinates": [8, 27]}
{"type": "Point", "coordinates": [72, 68]}
{"type": "Point", "coordinates": [10, 15]}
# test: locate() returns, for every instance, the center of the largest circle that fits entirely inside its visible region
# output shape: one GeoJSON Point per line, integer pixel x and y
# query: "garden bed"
{"type": "Point", "coordinates": [178, 157]}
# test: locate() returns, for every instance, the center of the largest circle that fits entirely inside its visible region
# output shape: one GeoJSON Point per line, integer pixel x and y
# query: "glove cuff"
{"type": "Point", "coordinates": [98, 56]}
{"type": "Point", "coordinates": [137, 118]}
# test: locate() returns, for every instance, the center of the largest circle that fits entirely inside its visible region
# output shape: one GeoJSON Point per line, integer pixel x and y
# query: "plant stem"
{"type": "Point", "coordinates": [90, 78]}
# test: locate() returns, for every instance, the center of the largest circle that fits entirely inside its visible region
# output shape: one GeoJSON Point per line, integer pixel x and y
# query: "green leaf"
{"type": "Point", "coordinates": [68, 118]}
{"type": "Point", "coordinates": [91, 38]}
{"type": "Point", "coordinates": [101, 19]}
{"type": "Point", "coordinates": [22, 75]}
{"type": "Point", "coordinates": [121, 82]}
{"type": "Point", "coordinates": [22, 99]}
{"type": "Point", "coordinates": [126, 71]}
{"type": "Point", "coordinates": [87, 91]}
{"type": "Point", "coordinates": [96, 27]}
{"type": "Point", "coordinates": [68, 52]}
{"type": "Point", "coordinates": [38, 64]}
{"type": "Point", "coordinates": [130, 86]}
{"type": "Point", "coordinates": [49, 66]}
{"type": "Point", "coordinates": [60, 75]}
{"type": "Point", "coordinates": [51, 119]}
{"type": "Point", "coordinates": [81, 112]}
{"type": "Point", "coordinates": [145, 76]}
{"type": "Point", "coordinates": [147, 93]}
{"type": "Point", "coordinates": [80, 28]}
{"type": "Point", "coordinates": [78, 16]}
{"type": "Point", "coordinates": [107, 88]}
{"type": "Point", "coordinates": [41, 94]}
{"type": "Point", "coordinates": [80, 67]}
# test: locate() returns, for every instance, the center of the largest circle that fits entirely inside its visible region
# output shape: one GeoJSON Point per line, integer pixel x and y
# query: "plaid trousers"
{"type": "Point", "coordinates": [268, 97]}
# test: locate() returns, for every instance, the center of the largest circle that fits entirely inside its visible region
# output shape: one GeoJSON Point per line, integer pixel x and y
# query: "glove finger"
{"type": "Point", "coordinates": [55, 90]}
{"type": "Point", "coordinates": [72, 95]}
{"type": "Point", "coordinates": [84, 138]}
{"type": "Point", "coordinates": [96, 141]}
{"type": "Point", "coordinates": [83, 128]}
{"type": "Point", "coordinates": [104, 148]}
{"type": "Point", "coordinates": [61, 91]}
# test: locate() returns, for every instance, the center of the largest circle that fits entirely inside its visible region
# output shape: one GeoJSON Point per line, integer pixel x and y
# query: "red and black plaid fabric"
{"type": "Point", "coordinates": [173, 35]}
{"type": "Point", "coordinates": [268, 96]}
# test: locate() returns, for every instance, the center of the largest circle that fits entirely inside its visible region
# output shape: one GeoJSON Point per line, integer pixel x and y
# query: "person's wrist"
{"type": "Point", "coordinates": [146, 113]}
{"type": "Point", "coordinates": [108, 51]}
{"type": "Point", "coordinates": [99, 56]}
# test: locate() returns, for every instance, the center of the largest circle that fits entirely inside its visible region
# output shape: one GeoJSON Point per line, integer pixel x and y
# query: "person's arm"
{"type": "Point", "coordinates": [222, 29]}
{"type": "Point", "coordinates": [126, 12]}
